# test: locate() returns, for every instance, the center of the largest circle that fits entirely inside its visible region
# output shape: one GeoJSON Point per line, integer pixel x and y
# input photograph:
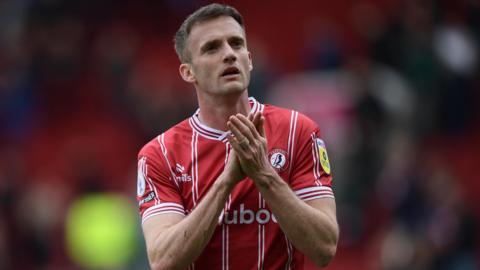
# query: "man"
{"type": "Point", "coordinates": [239, 185]}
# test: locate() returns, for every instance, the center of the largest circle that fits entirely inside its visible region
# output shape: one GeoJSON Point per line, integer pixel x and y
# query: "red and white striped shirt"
{"type": "Point", "coordinates": [176, 169]}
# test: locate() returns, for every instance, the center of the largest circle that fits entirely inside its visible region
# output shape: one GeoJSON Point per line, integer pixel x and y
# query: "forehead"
{"type": "Point", "coordinates": [218, 28]}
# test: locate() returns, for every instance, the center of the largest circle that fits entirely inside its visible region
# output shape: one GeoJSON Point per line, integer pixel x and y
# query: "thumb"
{"type": "Point", "coordinates": [260, 127]}
{"type": "Point", "coordinates": [256, 120]}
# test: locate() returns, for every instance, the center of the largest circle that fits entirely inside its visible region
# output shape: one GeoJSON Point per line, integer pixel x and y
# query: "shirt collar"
{"type": "Point", "coordinates": [215, 134]}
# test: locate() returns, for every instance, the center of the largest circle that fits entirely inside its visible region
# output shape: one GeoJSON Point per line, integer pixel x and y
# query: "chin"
{"type": "Point", "coordinates": [234, 88]}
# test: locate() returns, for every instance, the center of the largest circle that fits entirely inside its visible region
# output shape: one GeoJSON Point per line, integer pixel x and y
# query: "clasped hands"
{"type": "Point", "coordinates": [247, 137]}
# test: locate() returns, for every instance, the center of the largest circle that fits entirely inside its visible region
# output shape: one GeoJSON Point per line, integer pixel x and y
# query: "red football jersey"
{"type": "Point", "coordinates": [176, 169]}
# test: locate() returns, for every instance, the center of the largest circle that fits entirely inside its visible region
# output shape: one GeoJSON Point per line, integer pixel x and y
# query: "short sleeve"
{"type": "Point", "coordinates": [157, 193]}
{"type": "Point", "coordinates": [311, 176]}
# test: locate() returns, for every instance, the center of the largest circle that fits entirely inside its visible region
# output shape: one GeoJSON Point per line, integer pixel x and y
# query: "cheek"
{"type": "Point", "coordinates": [204, 70]}
{"type": "Point", "coordinates": [247, 68]}
{"type": "Point", "coordinates": [199, 70]}
{"type": "Point", "coordinates": [247, 63]}
{"type": "Point", "coordinates": [205, 75]}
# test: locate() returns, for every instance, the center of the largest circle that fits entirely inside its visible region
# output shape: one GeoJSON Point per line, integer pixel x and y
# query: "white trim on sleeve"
{"type": "Point", "coordinates": [163, 208]}
{"type": "Point", "coordinates": [311, 193]}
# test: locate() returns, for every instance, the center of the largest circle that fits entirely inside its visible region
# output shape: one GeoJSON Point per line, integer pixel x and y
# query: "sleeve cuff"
{"type": "Point", "coordinates": [311, 193]}
{"type": "Point", "coordinates": [163, 208]}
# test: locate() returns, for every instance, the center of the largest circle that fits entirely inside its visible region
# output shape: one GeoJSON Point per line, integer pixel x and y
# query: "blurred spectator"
{"type": "Point", "coordinates": [394, 86]}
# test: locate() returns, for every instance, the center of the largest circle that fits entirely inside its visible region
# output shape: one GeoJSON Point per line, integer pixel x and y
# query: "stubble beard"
{"type": "Point", "coordinates": [232, 88]}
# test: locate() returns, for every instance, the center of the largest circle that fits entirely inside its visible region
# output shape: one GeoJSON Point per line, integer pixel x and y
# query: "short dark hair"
{"type": "Point", "coordinates": [205, 13]}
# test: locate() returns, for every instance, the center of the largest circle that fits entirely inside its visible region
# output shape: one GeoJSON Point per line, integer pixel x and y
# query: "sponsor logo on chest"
{"type": "Point", "coordinates": [247, 216]}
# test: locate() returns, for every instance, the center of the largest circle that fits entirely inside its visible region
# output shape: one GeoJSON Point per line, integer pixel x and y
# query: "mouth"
{"type": "Point", "coordinates": [230, 72]}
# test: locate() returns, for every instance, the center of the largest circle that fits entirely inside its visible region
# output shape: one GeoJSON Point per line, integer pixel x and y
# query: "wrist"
{"type": "Point", "coordinates": [226, 181]}
{"type": "Point", "coordinates": [267, 178]}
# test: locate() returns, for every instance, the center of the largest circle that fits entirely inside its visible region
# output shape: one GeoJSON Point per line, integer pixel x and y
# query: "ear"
{"type": "Point", "coordinates": [187, 73]}
{"type": "Point", "coordinates": [250, 62]}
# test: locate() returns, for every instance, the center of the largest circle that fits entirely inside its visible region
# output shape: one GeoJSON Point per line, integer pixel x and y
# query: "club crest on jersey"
{"type": "Point", "coordinates": [141, 176]}
{"type": "Point", "coordinates": [278, 159]}
{"type": "Point", "coordinates": [322, 153]}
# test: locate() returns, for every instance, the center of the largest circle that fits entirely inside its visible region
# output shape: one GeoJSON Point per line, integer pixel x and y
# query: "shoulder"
{"type": "Point", "coordinates": [177, 134]}
{"type": "Point", "coordinates": [279, 116]}
{"type": "Point", "coordinates": [273, 112]}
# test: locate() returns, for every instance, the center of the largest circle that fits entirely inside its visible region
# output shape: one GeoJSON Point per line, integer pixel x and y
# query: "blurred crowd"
{"type": "Point", "coordinates": [394, 86]}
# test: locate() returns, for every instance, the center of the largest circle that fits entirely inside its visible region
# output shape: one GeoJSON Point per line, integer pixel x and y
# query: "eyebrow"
{"type": "Point", "coordinates": [237, 39]}
{"type": "Point", "coordinates": [217, 42]}
{"type": "Point", "coordinates": [210, 44]}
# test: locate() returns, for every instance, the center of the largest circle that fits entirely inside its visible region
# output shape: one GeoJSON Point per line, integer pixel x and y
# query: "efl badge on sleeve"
{"type": "Point", "coordinates": [322, 152]}
{"type": "Point", "coordinates": [141, 176]}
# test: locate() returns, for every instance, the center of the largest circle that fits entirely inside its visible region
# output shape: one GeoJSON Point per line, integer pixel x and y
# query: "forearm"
{"type": "Point", "coordinates": [179, 245]}
{"type": "Point", "coordinates": [312, 231]}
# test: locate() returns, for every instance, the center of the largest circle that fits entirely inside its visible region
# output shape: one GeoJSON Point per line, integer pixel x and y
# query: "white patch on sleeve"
{"type": "Point", "coordinates": [141, 176]}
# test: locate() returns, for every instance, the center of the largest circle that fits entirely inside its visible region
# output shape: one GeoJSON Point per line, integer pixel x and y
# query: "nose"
{"type": "Point", "coordinates": [229, 54]}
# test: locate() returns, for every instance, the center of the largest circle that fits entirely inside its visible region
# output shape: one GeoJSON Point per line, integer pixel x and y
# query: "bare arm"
{"type": "Point", "coordinates": [173, 241]}
{"type": "Point", "coordinates": [312, 226]}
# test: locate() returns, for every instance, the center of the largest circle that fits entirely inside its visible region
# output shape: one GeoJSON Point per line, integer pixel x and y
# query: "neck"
{"type": "Point", "coordinates": [215, 110]}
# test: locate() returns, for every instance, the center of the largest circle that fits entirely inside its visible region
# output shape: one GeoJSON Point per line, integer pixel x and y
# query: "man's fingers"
{"type": "Point", "coordinates": [246, 130]}
{"type": "Point", "coordinates": [242, 130]}
{"type": "Point", "coordinates": [235, 145]}
{"type": "Point", "coordinates": [238, 137]}
{"type": "Point", "coordinates": [260, 127]}
{"type": "Point", "coordinates": [249, 124]}
{"type": "Point", "coordinates": [236, 133]}
{"type": "Point", "coordinates": [257, 122]}
{"type": "Point", "coordinates": [256, 119]}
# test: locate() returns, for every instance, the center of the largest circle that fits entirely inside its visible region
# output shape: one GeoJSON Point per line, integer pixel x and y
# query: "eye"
{"type": "Point", "coordinates": [236, 43]}
{"type": "Point", "coordinates": [211, 49]}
